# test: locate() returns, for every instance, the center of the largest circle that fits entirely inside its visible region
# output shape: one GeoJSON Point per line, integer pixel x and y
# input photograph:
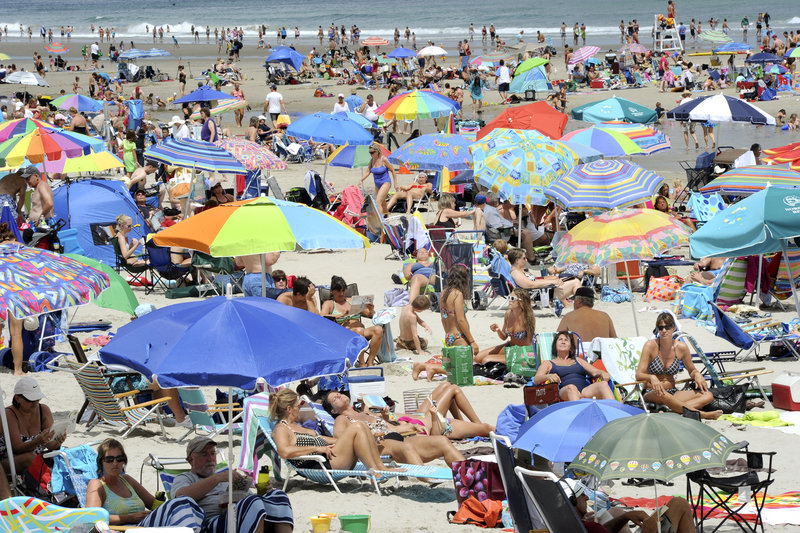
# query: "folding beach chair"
{"type": "Point", "coordinates": [32, 515]}
{"type": "Point", "coordinates": [620, 357]}
{"type": "Point", "coordinates": [748, 337]}
{"type": "Point", "coordinates": [499, 266]}
{"type": "Point", "coordinates": [391, 228]}
{"type": "Point", "coordinates": [137, 275]}
{"type": "Point", "coordinates": [72, 470]}
{"type": "Point", "coordinates": [732, 283]}
{"type": "Point", "coordinates": [163, 270]}
{"type": "Point", "coordinates": [522, 512]}
{"type": "Point", "coordinates": [202, 415]}
{"type": "Point", "coordinates": [215, 273]}
{"type": "Point", "coordinates": [275, 189]}
{"type": "Point", "coordinates": [703, 207]}
{"type": "Point", "coordinates": [549, 500]}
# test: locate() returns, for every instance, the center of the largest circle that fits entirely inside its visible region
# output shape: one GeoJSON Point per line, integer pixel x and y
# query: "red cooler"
{"type": "Point", "coordinates": [786, 391]}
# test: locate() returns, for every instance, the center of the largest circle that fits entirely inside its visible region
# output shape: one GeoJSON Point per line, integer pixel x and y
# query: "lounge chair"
{"type": "Point", "coordinates": [32, 515]}
{"type": "Point", "coordinates": [201, 414]}
{"type": "Point", "coordinates": [552, 505]}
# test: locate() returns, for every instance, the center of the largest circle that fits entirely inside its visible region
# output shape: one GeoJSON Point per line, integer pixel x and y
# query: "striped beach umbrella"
{"type": "Point", "coordinates": [583, 53]}
{"type": "Point", "coordinates": [253, 156]}
{"type": "Point", "coordinates": [78, 101]}
{"type": "Point", "coordinates": [56, 48]}
{"type": "Point", "coordinates": [417, 104]}
{"type": "Point", "coordinates": [715, 36]}
{"type": "Point", "coordinates": [434, 151]}
{"type": "Point", "coordinates": [609, 143]}
{"type": "Point", "coordinates": [650, 140]}
{"type": "Point", "coordinates": [91, 162]}
{"type": "Point", "coordinates": [231, 104]}
{"type": "Point", "coordinates": [604, 184]}
{"type": "Point", "coordinates": [42, 145]}
{"type": "Point", "coordinates": [19, 126]}
{"type": "Point", "coordinates": [374, 41]}
{"type": "Point", "coordinates": [197, 155]}
{"type": "Point", "coordinates": [354, 156]}
{"type": "Point", "coordinates": [789, 153]}
{"type": "Point", "coordinates": [748, 180]}
{"type": "Point", "coordinates": [792, 52]}
{"type": "Point", "coordinates": [720, 108]}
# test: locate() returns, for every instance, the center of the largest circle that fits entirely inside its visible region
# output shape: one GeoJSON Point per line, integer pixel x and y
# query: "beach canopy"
{"type": "Point", "coordinates": [286, 55]}
{"type": "Point", "coordinates": [402, 53]}
{"type": "Point", "coordinates": [194, 154]}
{"type": "Point", "coordinates": [537, 116]}
{"type": "Point", "coordinates": [720, 108]}
{"type": "Point", "coordinates": [330, 128]}
{"type": "Point", "coordinates": [205, 93]}
{"type": "Point", "coordinates": [615, 108]}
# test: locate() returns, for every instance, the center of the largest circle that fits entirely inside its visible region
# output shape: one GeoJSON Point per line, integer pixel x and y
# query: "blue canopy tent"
{"type": "Point", "coordinates": [534, 79]}
{"type": "Point", "coordinates": [91, 208]}
{"type": "Point", "coordinates": [286, 55]}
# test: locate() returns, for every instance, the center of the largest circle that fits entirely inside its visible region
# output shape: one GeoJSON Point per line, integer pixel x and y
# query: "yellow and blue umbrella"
{"type": "Point", "coordinates": [609, 143]}
{"type": "Point", "coordinates": [198, 155]}
{"type": "Point", "coordinates": [748, 180]}
{"type": "Point", "coordinates": [519, 164]}
{"type": "Point", "coordinates": [604, 184]}
{"type": "Point", "coordinates": [417, 104]}
{"type": "Point", "coordinates": [650, 140]}
{"type": "Point", "coordinates": [354, 156]}
{"type": "Point", "coordinates": [434, 151]}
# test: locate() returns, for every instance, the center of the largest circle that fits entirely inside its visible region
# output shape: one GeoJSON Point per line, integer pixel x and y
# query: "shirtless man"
{"type": "Point", "coordinates": [706, 270]}
{"type": "Point", "coordinates": [251, 283]}
{"type": "Point", "coordinates": [42, 197]}
{"type": "Point", "coordinates": [138, 180]}
{"type": "Point", "coordinates": [301, 296]}
{"type": "Point", "coordinates": [12, 192]}
{"type": "Point", "coordinates": [585, 321]}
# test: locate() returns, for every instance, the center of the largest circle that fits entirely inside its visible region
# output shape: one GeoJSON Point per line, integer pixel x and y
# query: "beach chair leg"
{"type": "Point", "coordinates": [761, 390]}
{"type": "Point", "coordinates": [330, 478]}
{"type": "Point", "coordinates": [189, 433]}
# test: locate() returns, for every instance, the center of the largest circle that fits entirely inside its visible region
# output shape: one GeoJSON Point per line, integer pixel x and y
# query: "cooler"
{"type": "Point", "coordinates": [366, 381]}
{"type": "Point", "coordinates": [597, 84]}
{"type": "Point", "coordinates": [786, 391]}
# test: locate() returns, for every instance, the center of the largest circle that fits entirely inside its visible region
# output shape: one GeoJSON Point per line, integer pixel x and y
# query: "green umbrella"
{"type": "Point", "coordinates": [118, 295]}
{"type": "Point", "coordinates": [529, 64]}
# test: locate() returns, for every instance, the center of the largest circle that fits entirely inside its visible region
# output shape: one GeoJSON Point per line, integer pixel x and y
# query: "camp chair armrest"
{"type": "Point", "coordinates": [163, 400]}
{"type": "Point", "coordinates": [750, 373]}
{"type": "Point", "coordinates": [236, 405]}
{"type": "Point", "coordinates": [236, 409]}
{"type": "Point", "coordinates": [318, 458]}
{"type": "Point", "coordinates": [126, 394]}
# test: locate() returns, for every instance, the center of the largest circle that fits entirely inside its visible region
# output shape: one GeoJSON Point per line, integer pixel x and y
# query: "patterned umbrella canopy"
{"type": "Point", "coordinates": [252, 155]}
{"type": "Point", "coordinates": [748, 180]}
{"type": "Point", "coordinates": [519, 164]}
{"type": "Point", "coordinates": [79, 102]}
{"type": "Point", "coordinates": [789, 153]}
{"type": "Point", "coordinates": [609, 143]}
{"type": "Point", "coordinates": [43, 144]}
{"type": "Point", "coordinates": [583, 53]}
{"type": "Point", "coordinates": [621, 235]}
{"type": "Point", "coordinates": [417, 104]}
{"type": "Point", "coordinates": [56, 48]}
{"type": "Point", "coordinates": [230, 104]}
{"type": "Point", "coordinates": [199, 155]}
{"type": "Point", "coordinates": [604, 184]}
{"type": "Point", "coordinates": [36, 281]}
{"type": "Point", "coordinates": [434, 151]}
{"type": "Point", "coordinates": [650, 140]}
{"type": "Point", "coordinates": [374, 41]}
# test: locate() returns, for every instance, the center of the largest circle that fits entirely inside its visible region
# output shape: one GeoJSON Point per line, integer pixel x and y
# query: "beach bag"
{"type": "Point", "coordinates": [521, 360]}
{"type": "Point", "coordinates": [663, 289]}
{"type": "Point", "coordinates": [476, 513]}
{"type": "Point", "coordinates": [478, 479]}
{"type": "Point", "coordinates": [697, 301]}
{"type": "Point", "coordinates": [728, 398]}
{"type": "Point", "coordinates": [615, 294]}
{"type": "Point", "coordinates": [457, 362]}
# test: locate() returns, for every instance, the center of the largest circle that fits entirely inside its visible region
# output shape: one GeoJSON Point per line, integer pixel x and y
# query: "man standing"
{"type": "Point", "coordinates": [688, 125]}
{"type": "Point", "coordinates": [274, 105]}
{"type": "Point", "coordinates": [251, 283]}
{"type": "Point", "coordinates": [210, 490]}
{"type": "Point", "coordinates": [95, 49]}
{"type": "Point", "coordinates": [503, 81]}
{"type": "Point", "coordinates": [12, 192]}
{"type": "Point", "coordinates": [585, 321]}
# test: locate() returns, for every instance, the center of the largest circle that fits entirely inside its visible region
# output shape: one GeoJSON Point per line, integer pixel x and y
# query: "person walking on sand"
{"type": "Point", "coordinates": [503, 81]}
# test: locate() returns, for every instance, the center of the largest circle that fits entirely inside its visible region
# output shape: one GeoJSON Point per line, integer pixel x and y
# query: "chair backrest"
{"type": "Point", "coordinates": [544, 345]}
{"type": "Point", "coordinates": [783, 283]}
{"type": "Point", "coordinates": [709, 368]}
{"type": "Point", "coordinates": [325, 293]}
{"type": "Point", "coordinates": [500, 266]}
{"type": "Point", "coordinates": [221, 265]}
{"type": "Point", "coordinates": [195, 405]}
{"type": "Point", "coordinates": [550, 500]}
{"type": "Point", "coordinates": [730, 331]}
{"type": "Point", "coordinates": [517, 505]}
{"type": "Point", "coordinates": [159, 256]}
{"type": "Point", "coordinates": [627, 269]}
{"type": "Point", "coordinates": [732, 284]}
{"type": "Point", "coordinates": [99, 394]}
{"type": "Point", "coordinates": [275, 189]}
{"type": "Point", "coordinates": [704, 206]}
{"type": "Point", "coordinates": [620, 356]}
{"type": "Point", "coordinates": [77, 349]}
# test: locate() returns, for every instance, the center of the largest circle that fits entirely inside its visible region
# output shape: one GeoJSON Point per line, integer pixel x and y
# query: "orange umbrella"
{"type": "Point", "coordinates": [535, 116]}
{"type": "Point", "coordinates": [785, 154]}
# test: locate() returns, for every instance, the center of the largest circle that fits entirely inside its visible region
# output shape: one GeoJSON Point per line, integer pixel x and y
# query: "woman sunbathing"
{"type": "Point", "coordinates": [339, 308]}
{"type": "Point", "coordinates": [419, 273]}
{"type": "Point", "coordinates": [401, 440]}
{"type": "Point", "coordinates": [524, 280]}
{"type": "Point", "coordinates": [519, 327]}
{"type": "Point", "coordinates": [412, 193]}
{"type": "Point", "coordinates": [572, 374]}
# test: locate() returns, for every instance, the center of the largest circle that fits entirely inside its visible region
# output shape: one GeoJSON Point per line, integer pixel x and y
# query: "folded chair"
{"type": "Point", "coordinates": [748, 337]}
{"type": "Point", "coordinates": [499, 266]}
{"type": "Point", "coordinates": [274, 188]}
{"type": "Point", "coordinates": [31, 515]}
{"type": "Point", "coordinates": [163, 269]}
{"type": "Point", "coordinates": [551, 504]}
{"type": "Point", "coordinates": [201, 414]}
{"type": "Point", "coordinates": [391, 227]}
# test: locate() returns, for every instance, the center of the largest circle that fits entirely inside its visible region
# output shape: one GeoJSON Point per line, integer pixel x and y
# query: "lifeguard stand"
{"type": "Point", "coordinates": [667, 39]}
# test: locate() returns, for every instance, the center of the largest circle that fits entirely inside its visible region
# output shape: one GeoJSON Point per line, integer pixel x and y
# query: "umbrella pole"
{"type": "Point", "coordinates": [633, 307]}
{"type": "Point", "coordinates": [231, 506]}
{"type": "Point", "coordinates": [791, 278]}
{"type": "Point", "coordinates": [655, 488]}
{"type": "Point", "coordinates": [264, 275]}
{"type": "Point", "coordinates": [758, 282]}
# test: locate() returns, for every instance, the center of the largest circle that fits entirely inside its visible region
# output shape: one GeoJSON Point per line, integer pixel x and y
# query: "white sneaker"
{"type": "Point", "coordinates": [187, 423]}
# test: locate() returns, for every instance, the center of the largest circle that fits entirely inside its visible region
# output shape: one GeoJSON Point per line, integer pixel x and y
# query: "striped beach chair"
{"type": "Point", "coordinates": [108, 407]}
{"type": "Point", "coordinates": [257, 421]}
{"type": "Point", "coordinates": [783, 282]}
{"type": "Point", "coordinates": [31, 515]}
{"type": "Point", "coordinates": [201, 414]}
{"type": "Point", "coordinates": [732, 283]}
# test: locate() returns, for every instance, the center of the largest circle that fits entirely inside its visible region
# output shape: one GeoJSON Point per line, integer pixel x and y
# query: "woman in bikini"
{"type": "Point", "coordinates": [519, 327]}
{"type": "Point", "coordinates": [454, 309]}
{"type": "Point", "coordinates": [412, 193]}
{"type": "Point", "coordinates": [447, 215]}
{"type": "Point", "coordinates": [660, 363]}
{"type": "Point", "coordinates": [238, 114]}
{"type": "Point", "coordinates": [380, 168]}
{"type": "Point", "coordinates": [573, 375]}
{"type": "Point", "coordinates": [339, 308]}
{"type": "Point", "coordinates": [292, 439]}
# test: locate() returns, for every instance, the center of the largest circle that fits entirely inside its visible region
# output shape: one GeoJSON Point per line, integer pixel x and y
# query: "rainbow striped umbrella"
{"type": "Point", "coordinates": [417, 104]}
{"type": "Point", "coordinates": [353, 156]}
{"type": "Point", "coordinates": [252, 155]}
{"type": "Point", "coordinates": [748, 180]}
{"type": "Point", "coordinates": [583, 53]}
{"type": "Point", "coordinates": [40, 145]}
{"type": "Point", "coordinates": [608, 142]}
{"type": "Point", "coordinates": [79, 102]}
{"type": "Point", "coordinates": [56, 48]}
{"type": "Point", "coordinates": [650, 140]}
{"type": "Point", "coordinates": [633, 48]}
{"type": "Point", "coordinates": [91, 162]}
{"type": "Point", "coordinates": [197, 155]}
{"type": "Point", "coordinates": [604, 184]}
{"type": "Point", "coordinates": [230, 104]}
{"type": "Point", "coordinates": [785, 154]}
{"type": "Point", "coordinates": [20, 126]}
{"type": "Point", "coordinates": [374, 41]}
{"type": "Point", "coordinates": [434, 151]}
{"type": "Point", "coordinates": [519, 164]}
{"type": "Point", "coordinates": [36, 281]}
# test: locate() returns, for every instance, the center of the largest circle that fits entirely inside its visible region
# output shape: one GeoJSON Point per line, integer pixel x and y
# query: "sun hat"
{"type": "Point", "coordinates": [197, 444]}
{"type": "Point", "coordinates": [340, 95]}
{"type": "Point", "coordinates": [572, 487]}
{"type": "Point", "coordinates": [176, 120]}
{"type": "Point", "coordinates": [28, 388]}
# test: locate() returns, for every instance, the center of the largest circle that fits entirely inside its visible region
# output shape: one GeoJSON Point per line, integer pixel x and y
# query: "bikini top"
{"type": "Point", "coordinates": [116, 504]}
{"type": "Point", "coordinates": [306, 440]}
{"type": "Point", "coordinates": [378, 425]}
{"type": "Point", "coordinates": [344, 318]}
{"type": "Point", "coordinates": [453, 312]}
{"type": "Point", "coordinates": [656, 366]}
{"type": "Point", "coordinates": [520, 335]}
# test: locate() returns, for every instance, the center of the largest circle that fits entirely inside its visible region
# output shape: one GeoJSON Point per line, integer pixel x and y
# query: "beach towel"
{"type": "Point", "coordinates": [74, 479]}
{"type": "Point", "coordinates": [759, 418]}
{"type": "Point", "coordinates": [620, 356]}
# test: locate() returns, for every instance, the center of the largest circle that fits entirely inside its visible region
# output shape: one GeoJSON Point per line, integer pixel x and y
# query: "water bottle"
{"type": "Point", "coordinates": [262, 484]}
{"type": "Point", "coordinates": [745, 494]}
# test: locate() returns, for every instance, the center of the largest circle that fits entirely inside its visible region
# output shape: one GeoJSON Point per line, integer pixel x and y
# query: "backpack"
{"type": "Point", "coordinates": [476, 513]}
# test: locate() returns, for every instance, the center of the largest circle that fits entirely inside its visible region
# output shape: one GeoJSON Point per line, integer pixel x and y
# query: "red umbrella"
{"type": "Point", "coordinates": [535, 116]}
{"type": "Point", "coordinates": [785, 154]}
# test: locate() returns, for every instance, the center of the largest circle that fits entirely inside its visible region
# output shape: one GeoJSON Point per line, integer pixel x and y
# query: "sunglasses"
{"type": "Point", "coordinates": [513, 299]}
{"type": "Point", "coordinates": [663, 328]}
{"type": "Point", "coordinates": [278, 279]}
{"type": "Point", "coordinates": [108, 459]}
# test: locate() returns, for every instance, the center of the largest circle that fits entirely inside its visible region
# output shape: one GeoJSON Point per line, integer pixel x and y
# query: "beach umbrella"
{"type": "Point", "coordinates": [583, 53]}
{"type": "Point", "coordinates": [615, 109]}
{"type": "Point", "coordinates": [491, 58]}
{"type": "Point", "coordinates": [26, 78]}
{"type": "Point", "coordinates": [4, 57]}
{"type": "Point", "coordinates": [537, 116]}
{"type": "Point", "coordinates": [518, 164]}
{"type": "Point", "coordinates": [205, 93]}
{"type": "Point", "coordinates": [744, 181]}
{"type": "Point", "coordinates": [789, 154]}
{"type": "Point", "coordinates": [432, 51]}
{"type": "Point", "coordinates": [19, 126]}
{"type": "Point", "coordinates": [91, 162]}
{"type": "Point", "coordinates": [194, 154]}
{"type": "Point", "coordinates": [37, 281]}
{"type": "Point", "coordinates": [402, 53]}
{"type": "Point", "coordinates": [434, 151]}
{"type": "Point", "coordinates": [649, 140]}
{"type": "Point", "coordinates": [417, 104]}
{"type": "Point", "coordinates": [558, 432]}
{"type": "Point", "coordinates": [732, 47]}
{"type": "Point", "coordinates": [777, 69]}
{"type": "Point", "coordinates": [715, 36]}
{"type": "Point", "coordinates": [137, 53]}
{"type": "Point", "coordinates": [534, 79]}
{"type": "Point", "coordinates": [528, 64]}
{"type": "Point", "coordinates": [231, 104]}
{"type": "Point", "coordinates": [361, 120]}
{"type": "Point", "coordinates": [792, 52]}
{"type": "Point", "coordinates": [720, 108]}
{"type": "Point", "coordinates": [253, 156]}
{"type": "Point", "coordinates": [633, 48]}
{"type": "Point", "coordinates": [374, 41]}
{"type": "Point", "coordinates": [353, 156]}
{"type": "Point", "coordinates": [56, 48]}
{"type": "Point", "coordinates": [621, 235]}
{"type": "Point", "coordinates": [40, 145]}
{"type": "Point", "coordinates": [118, 295]}
{"type": "Point", "coordinates": [78, 101]}
{"type": "Point", "coordinates": [586, 154]}
{"type": "Point", "coordinates": [330, 128]}
{"type": "Point", "coordinates": [608, 142]}
{"type": "Point", "coordinates": [286, 55]}
{"type": "Point", "coordinates": [604, 184]}
{"type": "Point", "coordinates": [763, 58]}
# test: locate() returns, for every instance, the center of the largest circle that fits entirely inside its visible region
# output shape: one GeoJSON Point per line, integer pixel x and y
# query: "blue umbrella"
{"type": "Point", "coordinates": [361, 120]}
{"type": "Point", "coordinates": [354, 102]}
{"type": "Point", "coordinates": [763, 57]}
{"type": "Point", "coordinates": [231, 342]}
{"type": "Point", "coordinates": [198, 155]}
{"type": "Point", "coordinates": [534, 79]}
{"type": "Point", "coordinates": [286, 55]}
{"type": "Point", "coordinates": [205, 93]}
{"type": "Point", "coordinates": [434, 151]}
{"type": "Point", "coordinates": [558, 432]}
{"type": "Point", "coordinates": [733, 47]}
{"type": "Point", "coordinates": [329, 128]}
{"type": "Point", "coordinates": [402, 53]}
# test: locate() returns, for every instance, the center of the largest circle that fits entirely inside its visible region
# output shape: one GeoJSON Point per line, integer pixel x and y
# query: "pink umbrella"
{"type": "Point", "coordinates": [583, 53]}
{"type": "Point", "coordinates": [374, 41]}
{"type": "Point", "coordinates": [251, 155]}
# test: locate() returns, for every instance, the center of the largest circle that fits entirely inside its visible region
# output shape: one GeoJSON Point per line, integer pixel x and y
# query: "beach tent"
{"type": "Point", "coordinates": [91, 207]}
{"type": "Point", "coordinates": [286, 55]}
{"type": "Point", "coordinates": [534, 79]}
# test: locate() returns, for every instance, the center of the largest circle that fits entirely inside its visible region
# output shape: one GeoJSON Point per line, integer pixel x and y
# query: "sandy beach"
{"type": "Point", "coordinates": [412, 506]}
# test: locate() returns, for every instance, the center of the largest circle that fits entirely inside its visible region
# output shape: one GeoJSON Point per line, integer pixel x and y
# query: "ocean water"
{"type": "Point", "coordinates": [442, 21]}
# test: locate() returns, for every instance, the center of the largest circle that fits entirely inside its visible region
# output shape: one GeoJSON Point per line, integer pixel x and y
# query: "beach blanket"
{"type": "Point", "coordinates": [778, 510]}
{"type": "Point", "coordinates": [757, 418]}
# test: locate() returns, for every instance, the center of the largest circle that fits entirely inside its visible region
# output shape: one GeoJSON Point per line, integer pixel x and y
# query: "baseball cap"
{"type": "Point", "coordinates": [480, 199]}
{"type": "Point", "coordinates": [586, 292]}
{"type": "Point", "coordinates": [572, 487]}
{"type": "Point", "coordinates": [197, 445]}
{"type": "Point", "coordinates": [28, 388]}
{"type": "Point", "coordinates": [340, 95]}
{"type": "Point", "coordinates": [30, 171]}
{"type": "Point", "coordinates": [273, 86]}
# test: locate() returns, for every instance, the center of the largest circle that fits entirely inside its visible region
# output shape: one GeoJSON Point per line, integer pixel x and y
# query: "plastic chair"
{"type": "Point", "coordinates": [32, 515]}
{"type": "Point", "coordinates": [201, 414]}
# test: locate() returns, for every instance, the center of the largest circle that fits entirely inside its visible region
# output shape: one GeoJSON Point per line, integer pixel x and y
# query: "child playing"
{"type": "Point", "coordinates": [408, 339]}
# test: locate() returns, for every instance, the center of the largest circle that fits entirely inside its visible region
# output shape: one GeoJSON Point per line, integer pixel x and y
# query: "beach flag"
{"type": "Point", "coordinates": [450, 126]}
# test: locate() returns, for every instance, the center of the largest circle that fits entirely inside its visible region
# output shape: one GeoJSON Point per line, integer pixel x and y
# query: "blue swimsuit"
{"type": "Point", "coordinates": [380, 175]}
{"type": "Point", "coordinates": [573, 374]}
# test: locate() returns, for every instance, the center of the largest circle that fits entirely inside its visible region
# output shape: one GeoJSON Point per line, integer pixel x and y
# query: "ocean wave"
{"type": "Point", "coordinates": [793, 20]}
